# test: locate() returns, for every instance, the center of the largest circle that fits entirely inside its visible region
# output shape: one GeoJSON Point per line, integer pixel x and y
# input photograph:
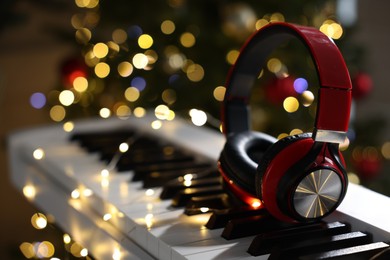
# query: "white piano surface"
{"type": "Point", "coordinates": [141, 225]}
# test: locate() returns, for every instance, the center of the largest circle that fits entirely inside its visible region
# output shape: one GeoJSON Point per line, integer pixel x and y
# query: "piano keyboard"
{"type": "Point", "coordinates": [161, 197]}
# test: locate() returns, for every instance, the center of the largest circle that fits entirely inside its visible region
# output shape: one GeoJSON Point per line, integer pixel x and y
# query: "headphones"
{"type": "Point", "coordinates": [299, 178]}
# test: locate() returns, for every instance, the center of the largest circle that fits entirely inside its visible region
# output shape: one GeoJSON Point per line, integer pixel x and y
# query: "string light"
{"type": "Point", "coordinates": [29, 191]}
{"type": "Point", "coordinates": [123, 147]}
{"type": "Point", "coordinates": [139, 112]}
{"type": "Point", "coordinates": [105, 112]}
{"type": "Point", "coordinates": [39, 221]}
{"type": "Point", "coordinates": [66, 238]}
{"type": "Point", "coordinates": [156, 124]}
{"type": "Point", "coordinates": [38, 154]}
{"type": "Point", "coordinates": [68, 126]}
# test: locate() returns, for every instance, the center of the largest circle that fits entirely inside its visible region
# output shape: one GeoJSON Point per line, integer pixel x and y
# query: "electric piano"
{"type": "Point", "coordinates": [126, 190]}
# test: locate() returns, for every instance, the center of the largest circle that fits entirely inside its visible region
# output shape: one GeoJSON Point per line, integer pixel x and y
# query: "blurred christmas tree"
{"type": "Point", "coordinates": [173, 56]}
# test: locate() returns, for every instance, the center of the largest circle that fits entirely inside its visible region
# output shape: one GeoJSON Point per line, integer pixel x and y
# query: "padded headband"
{"type": "Point", "coordinates": [334, 103]}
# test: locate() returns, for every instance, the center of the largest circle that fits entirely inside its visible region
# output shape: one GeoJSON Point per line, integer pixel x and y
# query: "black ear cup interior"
{"type": "Point", "coordinates": [270, 153]}
{"type": "Point", "coordinates": [240, 156]}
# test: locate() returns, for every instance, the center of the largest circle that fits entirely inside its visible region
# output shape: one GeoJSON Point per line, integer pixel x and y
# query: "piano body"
{"type": "Point", "coordinates": [109, 209]}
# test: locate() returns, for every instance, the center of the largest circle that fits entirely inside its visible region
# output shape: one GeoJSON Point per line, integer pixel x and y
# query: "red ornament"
{"type": "Point", "coordinates": [361, 85]}
{"type": "Point", "coordinates": [279, 89]}
{"type": "Point", "coordinates": [71, 69]}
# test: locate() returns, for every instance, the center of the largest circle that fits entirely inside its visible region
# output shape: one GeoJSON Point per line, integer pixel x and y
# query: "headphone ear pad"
{"type": "Point", "coordinates": [271, 152]}
{"type": "Point", "coordinates": [240, 155]}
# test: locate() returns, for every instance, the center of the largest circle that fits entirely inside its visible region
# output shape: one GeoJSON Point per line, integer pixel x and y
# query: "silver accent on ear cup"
{"type": "Point", "coordinates": [317, 193]}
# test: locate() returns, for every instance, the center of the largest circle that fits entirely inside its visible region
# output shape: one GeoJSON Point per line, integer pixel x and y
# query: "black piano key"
{"type": "Point", "coordinates": [382, 255]}
{"type": "Point", "coordinates": [157, 178]}
{"type": "Point", "coordinates": [360, 252]}
{"type": "Point", "coordinates": [267, 242]}
{"type": "Point", "coordinates": [139, 158]}
{"type": "Point", "coordinates": [204, 204]}
{"type": "Point", "coordinates": [220, 218]}
{"type": "Point", "coordinates": [249, 226]}
{"type": "Point", "coordinates": [181, 168]}
{"type": "Point", "coordinates": [313, 245]}
{"type": "Point", "coordinates": [99, 140]}
{"type": "Point", "coordinates": [174, 186]}
{"type": "Point", "coordinates": [184, 196]}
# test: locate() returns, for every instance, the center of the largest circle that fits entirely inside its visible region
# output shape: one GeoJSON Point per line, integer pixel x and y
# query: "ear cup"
{"type": "Point", "coordinates": [271, 152]}
{"type": "Point", "coordinates": [240, 156]}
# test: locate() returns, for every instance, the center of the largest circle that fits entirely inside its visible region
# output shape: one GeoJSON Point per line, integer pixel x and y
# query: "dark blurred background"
{"type": "Point", "coordinates": [42, 42]}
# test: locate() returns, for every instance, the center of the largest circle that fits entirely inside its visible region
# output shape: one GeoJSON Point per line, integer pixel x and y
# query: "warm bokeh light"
{"type": "Point", "coordinates": [140, 61]}
{"type": "Point", "coordinates": [232, 56]}
{"type": "Point", "coordinates": [198, 117]}
{"type": "Point", "coordinates": [161, 112]}
{"type": "Point", "coordinates": [119, 36]}
{"type": "Point", "coordinates": [274, 65]}
{"type": "Point", "coordinates": [145, 41]}
{"type": "Point", "coordinates": [83, 35]}
{"type": "Point", "coordinates": [68, 126]}
{"type": "Point", "coordinates": [385, 150]}
{"type": "Point", "coordinates": [102, 69]}
{"type": "Point", "coordinates": [38, 154]}
{"type": "Point", "coordinates": [195, 72]}
{"type": "Point", "coordinates": [29, 191]}
{"type": "Point", "coordinates": [307, 98]}
{"type": "Point", "coordinates": [80, 84]}
{"type": "Point", "coordinates": [167, 27]}
{"type": "Point", "coordinates": [187, 39]}
{"type": "Point", "coordinates": [132, 94]}
{"type": "Point", "coordinates": [291, 104]}
{"type": "Point", "coordinates": [57, 113]}
{"type": "Point", "coordinates": [139, 112]}
{"type": "Point", "coordinates": [125, 69]}
{"type": "Point", "coordinates": [100, 50]}
{"type": "Point", "coordinates": [332, 29]}
{"type": "Point", "coordinates": [156, 124]}
{"type": "Point", "coordinates": [66, 97]}
{"type": "Point", "coordinates": [104, 112]}
{"type": "Point", "coordinates": [39, 221]}
{"type": "Point", "coordinates": [219, 93]}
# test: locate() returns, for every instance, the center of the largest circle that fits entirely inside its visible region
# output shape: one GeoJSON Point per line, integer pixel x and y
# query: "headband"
{"type": "Point", "coordinates": [333, 109]}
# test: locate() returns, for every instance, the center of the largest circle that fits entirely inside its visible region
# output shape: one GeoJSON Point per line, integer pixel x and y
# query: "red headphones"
{"type": "Point", "coordinates": [299, 178]}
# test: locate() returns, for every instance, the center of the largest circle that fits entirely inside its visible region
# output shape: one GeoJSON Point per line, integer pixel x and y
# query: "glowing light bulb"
{"type": "Point", "coordinates": [66, 238]}
{"type": "Point", "coordinates": [123, 147]}
{"type": "Point", "coordinates": [29, 191]}
{"type": "Point", "coordinates": [75, 194]}
{"type": "Point", "coordinates": [105, 173]}
{"type": "Point", "coordinates": [107, 217]}
{"type": "Point", "coordinates": [39, 221]}
{"type": "Point", "coordinates": [149, 192]}
{"type": "Point", "coordinates": [38, 154]}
